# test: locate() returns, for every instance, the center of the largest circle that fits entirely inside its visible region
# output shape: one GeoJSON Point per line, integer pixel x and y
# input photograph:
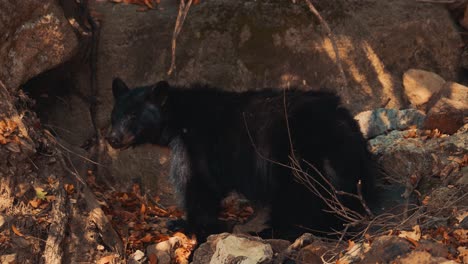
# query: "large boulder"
{"type": "Point", "coordinates": [34, 36]}
{"type": "Point", "coordinates": [250, 45]}
{"type": "Point", "coordinates": [241, 45]}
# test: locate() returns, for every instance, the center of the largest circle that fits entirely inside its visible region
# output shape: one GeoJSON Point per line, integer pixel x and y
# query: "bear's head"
{"type": "Point", "coordinates": [137, 116]}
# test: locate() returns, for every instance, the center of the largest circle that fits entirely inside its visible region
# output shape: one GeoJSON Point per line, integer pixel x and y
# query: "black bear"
{"type": "Point", "coordinates": [246, 142]}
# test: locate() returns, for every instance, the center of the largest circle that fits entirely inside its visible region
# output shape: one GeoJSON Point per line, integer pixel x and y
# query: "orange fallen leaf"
{"type": "Point", "coordinates": [412, 241]}
{"type": "Point", "coordinates": [153, 259]}
{"type": "Point", "coordinates": [16, 231]}
{"type": "Point", "coordinates": [147, 238]}
{"type": "Point", "coordinates": [106, 260]}
{"type": "Point", "coordinates": [426, 200]}
{"type": "Point", "coordinates": [35, 202]}
{"type": "Point", "coordinates": [143, 209]}
{"type": "Point", "coordinates": [350, 245]}
{"type": "Point", "coordinates": [69, 188]}
{"type": "Point", "coordinates": [414, 235]}
{"type": "Point", "coordinates": [411, 134]}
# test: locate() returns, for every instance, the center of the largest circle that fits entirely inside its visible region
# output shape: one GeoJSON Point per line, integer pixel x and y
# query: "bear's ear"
{"type": "Point", "coordinates": [159, 93]}
{"type": "Point", "coordinates": [119, 87]}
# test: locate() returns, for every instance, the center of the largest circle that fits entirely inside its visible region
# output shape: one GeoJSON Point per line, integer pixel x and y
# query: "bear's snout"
{"type": "Point", "coordinates": [113, 139]}
{"type": "Point", "coordinates": [119, 140]}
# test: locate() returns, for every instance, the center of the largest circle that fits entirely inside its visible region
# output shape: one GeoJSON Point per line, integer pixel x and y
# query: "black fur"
{"type": "Point", "coordinates": [224, 141]}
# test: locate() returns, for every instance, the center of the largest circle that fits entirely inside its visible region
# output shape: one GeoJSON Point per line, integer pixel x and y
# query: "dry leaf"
{"type": "Point", "coordinates": [147, 238]}
{"type": "Point", "coordinates": [448, 169]}
{"type": "Point", "coordinates": [461, 215]}
{"type": "Point", "coordinates": [106, 260]}
{"type": "Point", "coordinates": [16, 231]}
{"type": "Point", "coordinates": [69, 188]}
{"type": "Point", "coordinates": [426, 200]}
{"type": "Point", "coordinates": [350, 245]}
{"type": "Point", "coordinates": [414, 235]}
{"type": "Point", "coordinates": [153, 259]}
{"type": "Point", "coordinates": [461, 235]}
{"type": "Point", "coordinates": [342, 261]}
{"type": "Point", "coordinates": [35, 202]}
{"type": "Point", "coordinates": [463, 254]}
{"type": "Point", "coordinates": [411, 134]}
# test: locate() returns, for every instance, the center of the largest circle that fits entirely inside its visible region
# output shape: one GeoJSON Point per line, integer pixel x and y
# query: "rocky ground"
{"type": "Point", "coordinates": [65, 197]}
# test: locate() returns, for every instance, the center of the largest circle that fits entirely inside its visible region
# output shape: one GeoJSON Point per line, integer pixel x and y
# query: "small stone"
{"type": "Point", "coordinates": [229, 248]}
{"type": "Point", "coordinates": [242, 249]}
{"type": "Point", "coordinates": [100, 247]}
{"type": "Point", "coordinates": [420, 85]}
{"type": "Point", "coordinates": [138, 255]}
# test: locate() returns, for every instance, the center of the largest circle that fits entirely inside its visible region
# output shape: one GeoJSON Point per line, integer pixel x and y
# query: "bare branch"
{"type": "Point", "coordinates": [183, 11]}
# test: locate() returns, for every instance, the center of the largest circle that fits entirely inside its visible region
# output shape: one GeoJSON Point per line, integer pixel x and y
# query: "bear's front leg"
{"type": "Point", "coordinates": [203, 205]}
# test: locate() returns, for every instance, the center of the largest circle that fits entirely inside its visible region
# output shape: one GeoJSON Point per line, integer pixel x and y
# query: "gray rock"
{"type": "Point", "coordinates": [402, 157]}
{"type": "Point", "coordinates": [377, 122]}
{"type": "Point", "coordinates": [420, 85]}
{"type": "Point", "coordinates": [34, 37]}
{"type": "Point", "coordinates": [227, 248]}
{"type": "Point", "coordinates": [405, 158]}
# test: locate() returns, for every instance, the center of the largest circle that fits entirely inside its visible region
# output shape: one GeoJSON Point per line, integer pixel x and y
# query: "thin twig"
{"type": "Point", "coordinates": [183, 11]}
{"type": "Point", "coordinates": [70, 151]}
